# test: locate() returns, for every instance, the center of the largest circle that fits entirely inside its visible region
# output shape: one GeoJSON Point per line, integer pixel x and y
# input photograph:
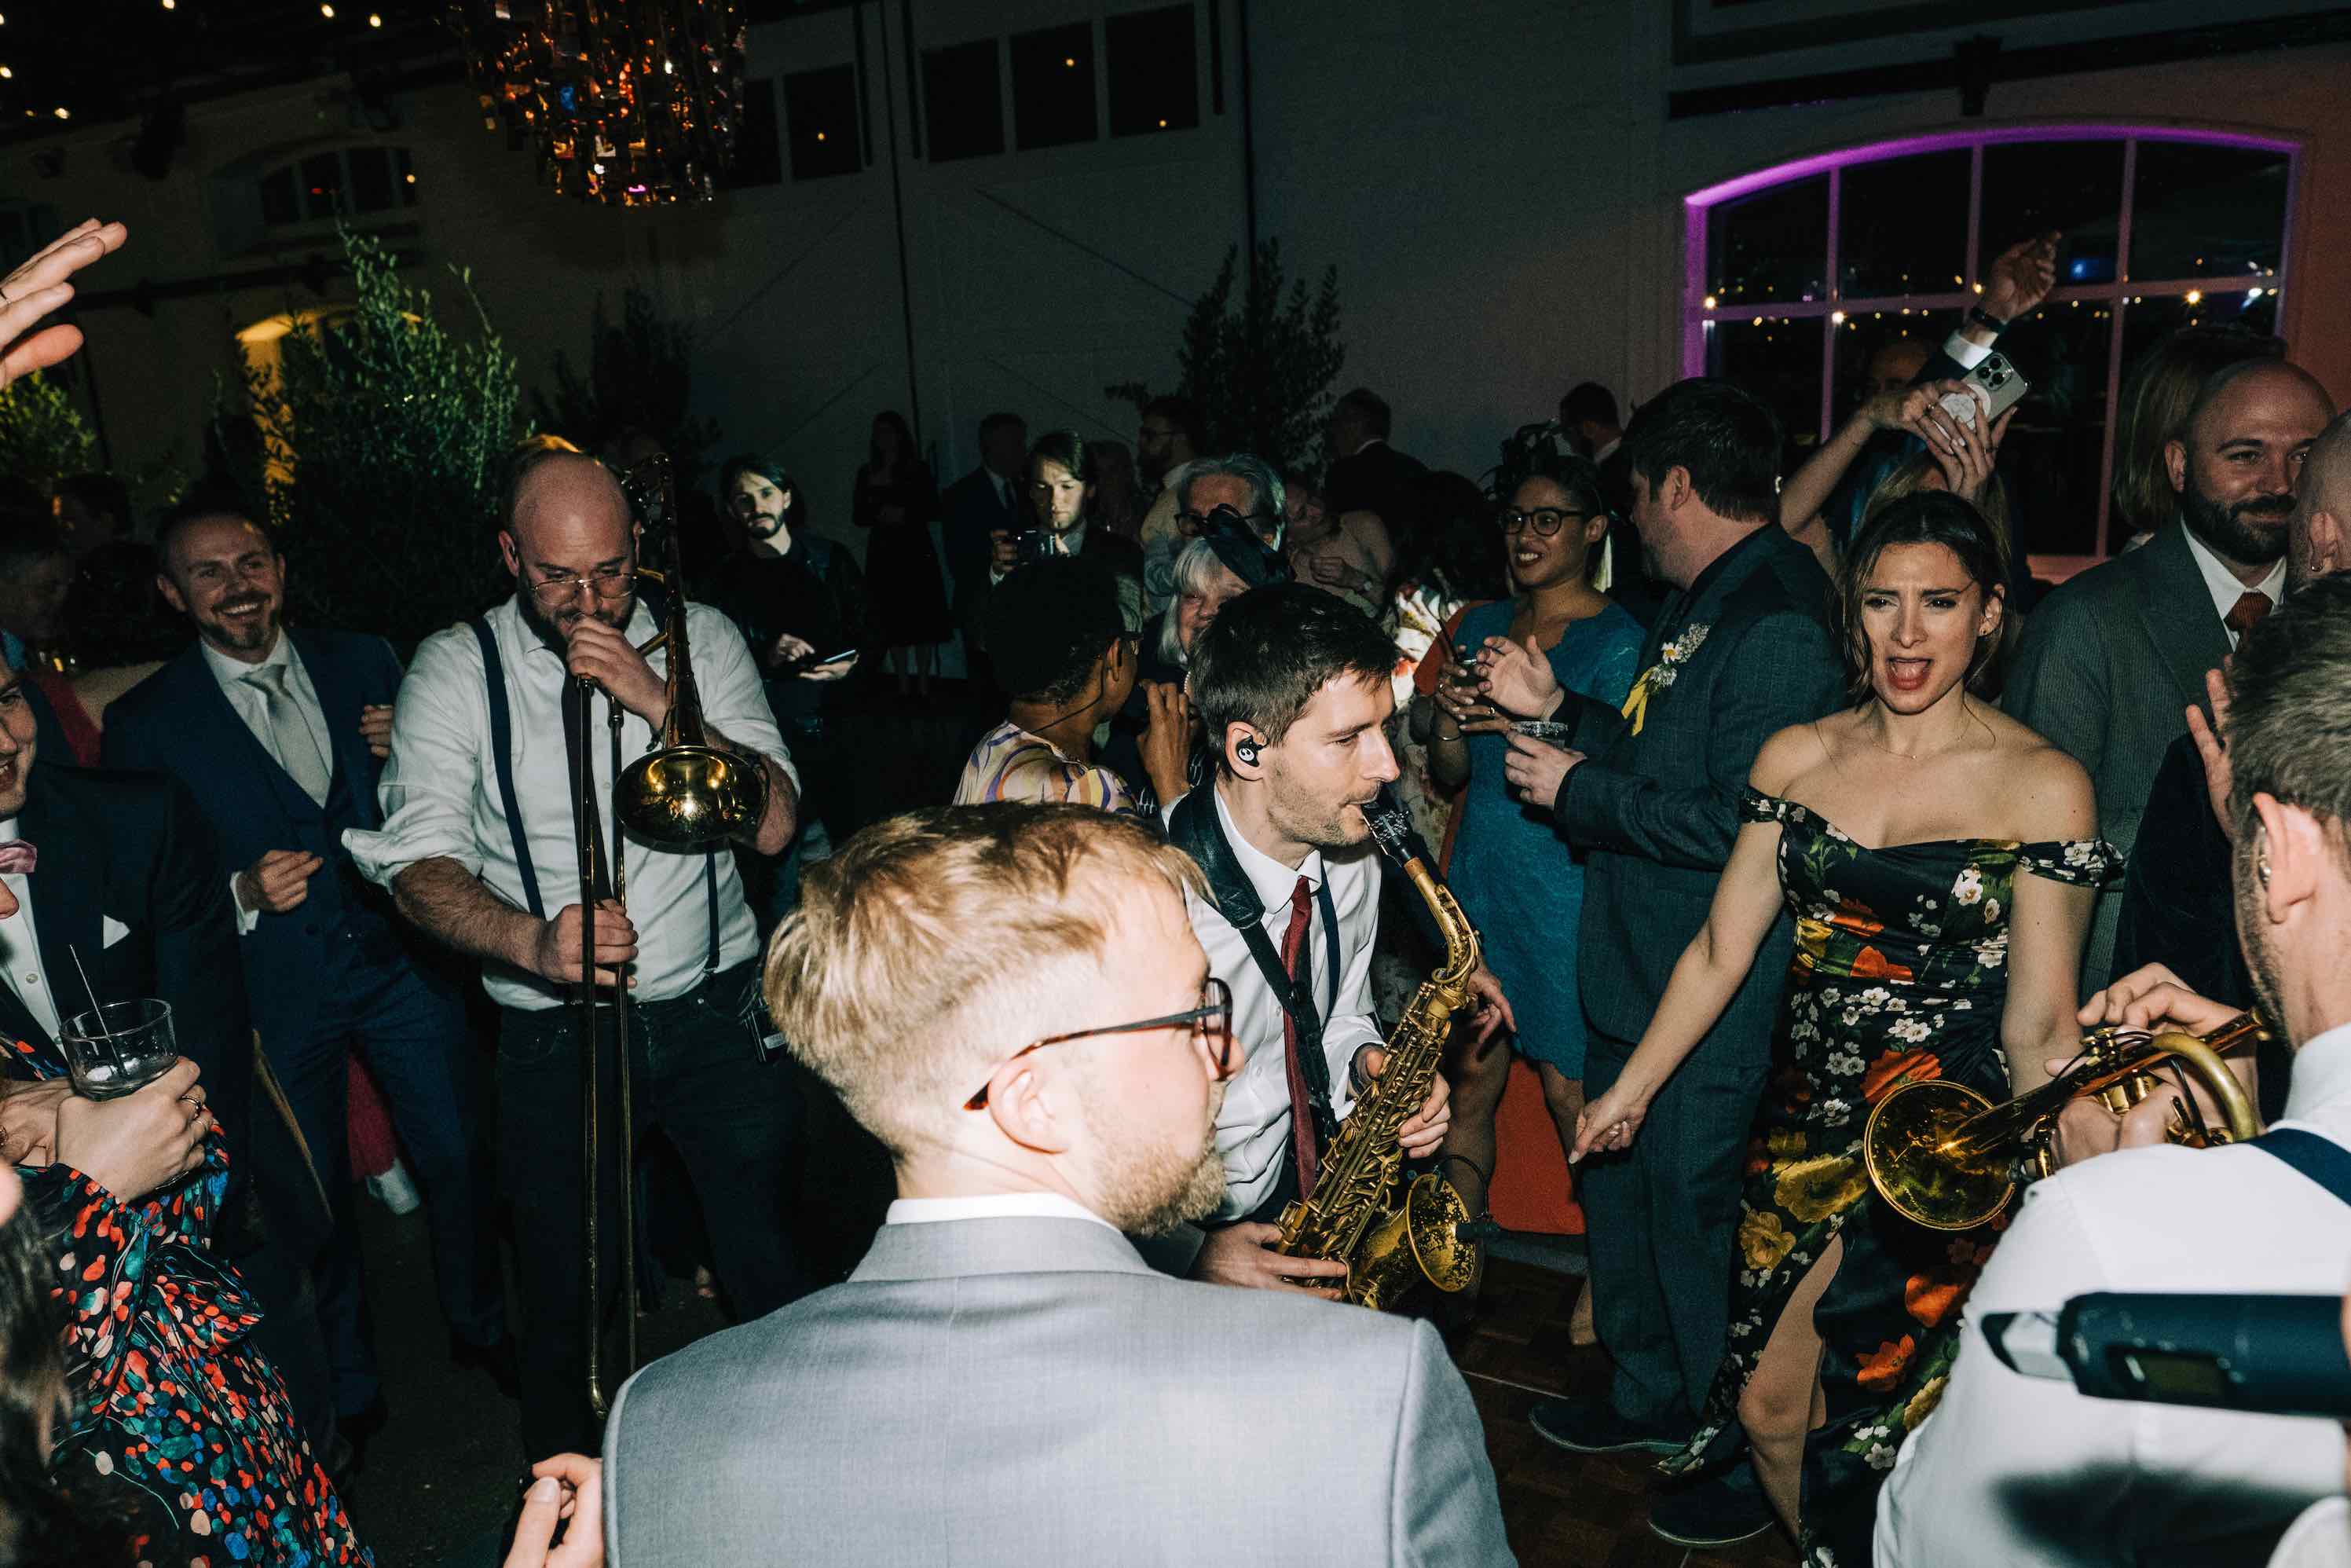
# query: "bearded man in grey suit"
{"type": "Point", "coordinates": [1010, 998]}
{"type": "Point", "coordinates": [2111, 661]}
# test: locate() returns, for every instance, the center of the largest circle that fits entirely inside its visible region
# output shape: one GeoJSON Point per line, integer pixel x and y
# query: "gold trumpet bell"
{"type": "Point", "coordinates": [1913, 1146]}
{"type": "Point", "coordinates": [683, 796]}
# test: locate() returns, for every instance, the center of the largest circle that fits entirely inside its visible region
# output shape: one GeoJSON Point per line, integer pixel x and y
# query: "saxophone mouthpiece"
{"type": "Point", "coordinates": [1392, 830]}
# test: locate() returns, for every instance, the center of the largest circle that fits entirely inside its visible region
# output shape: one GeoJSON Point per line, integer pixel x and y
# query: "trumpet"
{"type": "Point", "coordinates": [683, 793]}
{"type": "Point", "coordinates": [1944, 1156]}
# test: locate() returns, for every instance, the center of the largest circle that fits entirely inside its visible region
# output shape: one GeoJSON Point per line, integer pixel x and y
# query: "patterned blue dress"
{"type": "Point", "coordinates": [1514, 875]}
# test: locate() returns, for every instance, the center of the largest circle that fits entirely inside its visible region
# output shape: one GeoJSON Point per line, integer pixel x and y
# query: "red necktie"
{"type": "Point", "coordinates": [1302, 1103]}
{"type": "Point", "coordinates": [2247, 612]}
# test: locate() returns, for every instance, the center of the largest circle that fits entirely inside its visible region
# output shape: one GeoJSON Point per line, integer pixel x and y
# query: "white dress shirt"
{"type": "Point", "coordinates": [439, 792]}
{"type": "Point", "coordinates": [20, 944]}
{"type": "Point", "coordinates": [1253, 1128]}
{"type": "Point", "coordinates": [2226, 587]}
{"type": "Point", "coordinates": [2023, 1470]}
{"type": "Point", "coordinates": [2320, 1538]}
{"type": "Point", "coordinates": [991, 1206]}
{"type": "Point", "coordinates": [252, 705]}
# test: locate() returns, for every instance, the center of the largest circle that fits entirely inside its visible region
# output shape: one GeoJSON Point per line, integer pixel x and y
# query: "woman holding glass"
{"type": "Point", "coordinates": [1513, 876]}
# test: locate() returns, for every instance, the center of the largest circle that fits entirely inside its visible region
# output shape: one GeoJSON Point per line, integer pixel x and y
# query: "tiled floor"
{"type": "Point", "coordinates": [1562, 1510]}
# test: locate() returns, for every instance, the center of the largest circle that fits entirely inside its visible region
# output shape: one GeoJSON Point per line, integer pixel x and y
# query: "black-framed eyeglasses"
{"type": "Point", "coordinates": [1546, 521]}
{"type": "Point", "coordinates": [605, 585]}
{"type": "Point", "coordinates": [1211, 1024]}
{"type": "Point", "coordinates": [1257, 522]}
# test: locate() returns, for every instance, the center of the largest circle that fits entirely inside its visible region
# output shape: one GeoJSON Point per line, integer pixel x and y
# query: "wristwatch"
{"type": "Point", "coordinates": [1980, 317]}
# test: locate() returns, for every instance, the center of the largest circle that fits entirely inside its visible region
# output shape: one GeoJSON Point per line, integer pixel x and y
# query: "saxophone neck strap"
{"type": "Point", "coordinates": [1193, 828]}
{"type": "Point", "coordinates": [2320, 1159]}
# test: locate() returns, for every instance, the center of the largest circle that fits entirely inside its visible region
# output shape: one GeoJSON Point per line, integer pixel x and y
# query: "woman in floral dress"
{"type": "Point", "coordinates": [1939, 860]}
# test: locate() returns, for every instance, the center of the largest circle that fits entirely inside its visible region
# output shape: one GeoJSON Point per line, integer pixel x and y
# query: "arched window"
{"type": "Point", "coordinates": [344, 181]}
{"type": "Point", "coordinates": [1798, 274]}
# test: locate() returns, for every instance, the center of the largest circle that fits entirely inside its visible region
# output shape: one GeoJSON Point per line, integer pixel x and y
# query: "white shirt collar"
{"type": "Point", "coordinates": [2321, 1073]}
{"type": "Point", "coordinates": [1274, 881]}
{"type": "Point", "coordinates": [9, 832]}
{"type": "Point", "coordinates": [991, 1206]}
{"type": "Point", "coordinates": [2224, 585]}
{"type": "Point", "coordinates": [227, 671]}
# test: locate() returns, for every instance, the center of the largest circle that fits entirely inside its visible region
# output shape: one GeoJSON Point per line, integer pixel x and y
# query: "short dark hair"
{"type": "Point", "coordinates": [26, 537]}
{"type": "Point", "coordinates": [996, 422]}
{"type": "Point", "coordinates": [1368, 406]}
{"type": "Point", "coordinates": [1727, 439]}
{"type": "Point", "coordinates": [1183, 413]}
{"type": "Point", "coordinates": [1049, 623]}
{"type": "Point", "coordinates": [1923, 517]}
{"type": "Point", "coordinates": [1588, 400]}
{"type": "Point", "coordinates": [774, 473]}
{"type": "Point", "coordinates": [201, 502]}
{"type": "Point", "coordinates": [103, 493]}
{"type": "Point", "coordinates": [2290, 709]}
{"type": "Point", "coordinates": [1271, 649]}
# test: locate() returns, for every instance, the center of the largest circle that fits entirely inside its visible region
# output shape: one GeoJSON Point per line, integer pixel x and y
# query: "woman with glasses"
{"type": "Point", "coordinates": [1508, 869]}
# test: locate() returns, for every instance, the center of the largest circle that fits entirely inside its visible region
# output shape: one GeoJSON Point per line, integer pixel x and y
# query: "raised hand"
{"type": "Point", "coordinates": [38, 287]}
{"type": "Point", "coordinates": [605, 655]}
{"type": "Point", "coordinates": [139, 1141]}
{"type": "Point", "coordinates": [1166, 745]}
{"type": "Point", "coordinates": [1424, 1129]}
{"type": "Point", "coordinates": [570, 1486]}
{"type": "Point", "coordinates": [2022, 277]}
{"type": "Point", "coordinates": [375, 727]}
{"type": "Point", "coordinates": [279, 881]}
{"type": "Point", "coordinates": [2212, 746]}
{"type": "Point", "coordinates": [1518, 678]}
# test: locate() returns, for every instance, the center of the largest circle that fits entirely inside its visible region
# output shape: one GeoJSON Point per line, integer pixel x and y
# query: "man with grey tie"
{"type": "Point", "coordinates": [278, 734]}
{"type": "Point", "coordinates": [1010, 998]}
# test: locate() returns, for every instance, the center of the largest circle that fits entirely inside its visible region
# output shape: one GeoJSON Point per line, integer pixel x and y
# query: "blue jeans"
{"type": "Point", "coordinates": [410, 1032]}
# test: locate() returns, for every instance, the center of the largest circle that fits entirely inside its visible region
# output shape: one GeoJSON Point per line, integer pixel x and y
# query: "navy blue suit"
{"type": "Point", "coordinates": [332, 973]}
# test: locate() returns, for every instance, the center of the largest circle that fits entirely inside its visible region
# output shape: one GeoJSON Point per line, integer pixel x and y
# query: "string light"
{"type": "Point", "coordinates": [374, 20]}
{"type": "Point", "coordinates": [7, 74]}
{"type": "Point", "coordinates": [616, 109]}
{"type": "Point", "coordinates": [63, 112]}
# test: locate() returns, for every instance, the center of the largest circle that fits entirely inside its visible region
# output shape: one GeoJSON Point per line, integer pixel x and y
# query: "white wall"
{"type": "Point", "coordinates": [1495, 179]}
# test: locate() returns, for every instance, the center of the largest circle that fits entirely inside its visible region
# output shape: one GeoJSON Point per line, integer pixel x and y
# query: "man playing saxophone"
{"type": "Point", "coordinates": [479, 848]}
{"type": "Point", "coordinates": [1292, 688]}
{"type": "Point", "coordinates": [2018, 1469]}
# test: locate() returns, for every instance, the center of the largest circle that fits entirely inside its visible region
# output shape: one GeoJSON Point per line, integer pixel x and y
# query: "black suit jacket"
{"type": "Point", "coordinates": [1658, 810]}
{"type": "Point", "coordinates": [969, 511]}
{"type": "Point", "coordinates": [178, 721]}
{"type": "Point", "coordinates": [132, 848]}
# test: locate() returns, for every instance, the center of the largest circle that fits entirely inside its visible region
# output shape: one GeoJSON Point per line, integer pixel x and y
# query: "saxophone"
{"type": "Point", "coordinates": [1391, 1239]}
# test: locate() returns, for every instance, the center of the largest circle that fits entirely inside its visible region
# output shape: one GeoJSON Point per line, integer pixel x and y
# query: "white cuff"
{"type": "Point", "coordinates": [246, 919]}
{"type": "Point", "coordinates": [1968, 353]}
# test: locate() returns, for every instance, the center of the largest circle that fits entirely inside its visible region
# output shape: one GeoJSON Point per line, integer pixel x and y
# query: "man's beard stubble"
{"type": "Point", "coordinates": [555, 633]}
{"type": "Point", "coordinates": [1154, 1190]}
{"type": "Point", "coordinates": [2222, 526]}
{"type": "Point", "coordinates": [2252, 930]}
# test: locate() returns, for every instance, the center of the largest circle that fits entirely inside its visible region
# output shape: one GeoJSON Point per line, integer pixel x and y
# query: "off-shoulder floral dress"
{"type": "Point", "coordinates": [179, 1424]}
{"type": "Point", "coordinates": [1900, 971]}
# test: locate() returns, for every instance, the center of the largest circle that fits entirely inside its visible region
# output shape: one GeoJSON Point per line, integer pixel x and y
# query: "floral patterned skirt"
{"type": "Point", "coordinates": [1890, 1320]}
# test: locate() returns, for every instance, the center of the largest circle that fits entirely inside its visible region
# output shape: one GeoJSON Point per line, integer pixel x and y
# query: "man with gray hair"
{"type": "Point", "coordinates": [1010, 998]}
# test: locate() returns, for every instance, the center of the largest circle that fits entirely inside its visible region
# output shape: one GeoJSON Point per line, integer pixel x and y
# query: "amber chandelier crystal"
{"type": "Point", "coordinates": [630, 102]}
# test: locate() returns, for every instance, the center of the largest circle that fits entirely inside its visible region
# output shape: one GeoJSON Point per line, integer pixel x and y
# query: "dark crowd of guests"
{"type": "Point", "coordinates": [1771, 789]}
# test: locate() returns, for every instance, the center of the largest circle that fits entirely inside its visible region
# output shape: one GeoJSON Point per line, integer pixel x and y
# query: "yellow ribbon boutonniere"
{"type": "Point", "coordinates": [1659, 676]}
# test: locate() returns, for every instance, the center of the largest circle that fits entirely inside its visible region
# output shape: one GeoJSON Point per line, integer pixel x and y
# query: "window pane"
{"type": "Point", "coordinates": [962, 108]}
{"type": "Point", "coordinates": [2051, 460]}
{"type": "Point", "coordinates": [370, 179]}
{"type": "Point", "coordinates": [1153, 79]}
{"type": "Point", "coordinates": [2073, 187]}
{"type": "Point", "coordinates": [820, 122]}
{"type": "Point", "coordinates": [759, 157]}
{"type": "Point", "coordinates": [1779, 361]}
{"type": "Point", "coordinates": [1902, 226]}
{"type": "Point", "coordinates": [1884, 345]}
{"type": "Point", "coordinates": [1771, 246]}
{"type": "Point", "coordinates": [1053, 85]}
{"type": "Point", "coordinates": [2206, 211]}
{"type": "Point", "coordinates": [322, 185]}
{"type": "Point", "coordinates": [278, 204]}
{"type": "Point", "coordinates": [406, 176]}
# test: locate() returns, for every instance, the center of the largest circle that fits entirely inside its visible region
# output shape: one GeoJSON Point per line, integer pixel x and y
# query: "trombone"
{"type": "Point", "coordinates": [683, 793]}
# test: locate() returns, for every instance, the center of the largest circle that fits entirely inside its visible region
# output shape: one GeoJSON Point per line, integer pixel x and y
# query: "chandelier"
{"type": "Point", "coordinates": [630, 102]}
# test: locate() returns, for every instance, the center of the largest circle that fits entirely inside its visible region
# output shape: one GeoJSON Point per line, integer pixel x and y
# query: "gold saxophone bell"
{"type": "Point", "coordinates": [1944, 1156]}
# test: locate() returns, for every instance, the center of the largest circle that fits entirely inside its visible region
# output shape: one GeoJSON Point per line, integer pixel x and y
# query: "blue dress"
{"type": "Point", "coordinates": [1515, 878]}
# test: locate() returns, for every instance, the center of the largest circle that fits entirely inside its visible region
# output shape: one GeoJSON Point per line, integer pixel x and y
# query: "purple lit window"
{"type": "Point", "coordinates": [1797, 275]}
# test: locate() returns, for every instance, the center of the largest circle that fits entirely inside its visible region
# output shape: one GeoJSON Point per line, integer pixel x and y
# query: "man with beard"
{"type": "Point", "coordinates": [1292, 688]}
{"type": "Point", "coordinates": [2024, 1469]}
{"type": "Point", "coordinates": [1010, 997]}
{"type": "Point", "coordinates": [478, 849]}
{"type": "Point", "coordinates": [278, 734]}
{"type": "Point", "coordinates": [2111, 659]}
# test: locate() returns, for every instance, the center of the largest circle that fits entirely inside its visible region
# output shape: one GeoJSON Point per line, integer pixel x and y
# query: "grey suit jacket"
{"type": "Point", "coordinates": [2108, 664]}
{"type": "Point", "coordinates": [1026, 1392]}
{"type": "Point", "coordinates": [1657, 811]}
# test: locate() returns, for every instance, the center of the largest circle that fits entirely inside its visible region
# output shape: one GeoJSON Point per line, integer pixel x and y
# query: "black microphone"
{"type": "Point", "coordinates": [2272, 1355]}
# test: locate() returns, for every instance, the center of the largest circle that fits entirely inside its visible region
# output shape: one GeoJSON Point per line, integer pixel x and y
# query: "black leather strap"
{"type": "Point", "coordinates": [1193, 828]}
{"type": "Point", "coordinates": [494, 679]}
{"type": "Point", "coordinates": [2322, 1159]}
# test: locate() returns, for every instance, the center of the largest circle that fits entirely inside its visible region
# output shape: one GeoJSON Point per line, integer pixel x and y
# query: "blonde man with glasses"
{"type": "Point", "coordinates": [1009, 997]}
{"type": "Point", "coordinates": [478, 847]}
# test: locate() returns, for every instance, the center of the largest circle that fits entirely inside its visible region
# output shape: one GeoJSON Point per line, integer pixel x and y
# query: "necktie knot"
{"type": "Point", "coordinates": [17, 858]}
{"type": "Point", "coordinates": [2247, 612]}
{"type": "Point", "coordinates": [1301, 897]}
{"type": "Point", "coordinates": [270, 678]}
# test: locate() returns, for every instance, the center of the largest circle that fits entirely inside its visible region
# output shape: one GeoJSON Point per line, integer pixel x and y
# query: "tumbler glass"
{"type": "Point", "coordinates": [118, 1048]}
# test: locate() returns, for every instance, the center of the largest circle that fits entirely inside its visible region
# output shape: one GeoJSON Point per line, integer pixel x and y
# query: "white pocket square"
{"type": "Point", "coordinates": [111, 930]}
